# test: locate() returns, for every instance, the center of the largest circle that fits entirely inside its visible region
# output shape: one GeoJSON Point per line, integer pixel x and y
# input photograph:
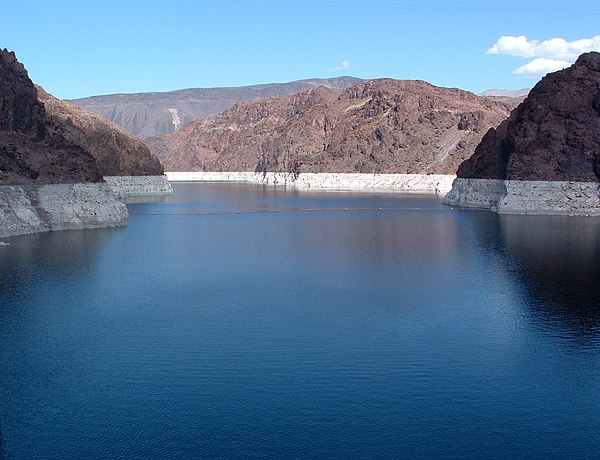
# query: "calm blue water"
{"type": "Point", "coordinates": [415, 330]}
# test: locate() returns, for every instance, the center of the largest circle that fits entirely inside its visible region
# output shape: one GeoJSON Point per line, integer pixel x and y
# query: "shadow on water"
{"type": "Point", "coordinates": [55, 254]}
{"type": "Point", "coordinates": [558, 259]}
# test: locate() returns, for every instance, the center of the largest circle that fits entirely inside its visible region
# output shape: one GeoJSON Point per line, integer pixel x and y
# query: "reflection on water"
{"type": "Point", "coordinates": [558, 258]}
{"type": "Point", "coordinates": [56, 254]}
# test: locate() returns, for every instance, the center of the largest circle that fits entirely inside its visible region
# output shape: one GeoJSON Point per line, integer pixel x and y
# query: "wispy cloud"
{"type": "Point", "coordinates": [344, 65]}
{"type": "Point", "coordinates": [550, 55]}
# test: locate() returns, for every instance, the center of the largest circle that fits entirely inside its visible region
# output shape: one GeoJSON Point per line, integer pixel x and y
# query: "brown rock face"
{"type": "Point", "coordinates": [383, 126]}
{"type": "Point", "coordinates": [20, 109]}
{"type": "Point", "coordinates": [30, 150]}
{"type": "Point", "coordinates": [117, 153]}
{"type": "Point", "coordinates": [45, 140]}
{"type": "Point", "coordinates": [554, 135]}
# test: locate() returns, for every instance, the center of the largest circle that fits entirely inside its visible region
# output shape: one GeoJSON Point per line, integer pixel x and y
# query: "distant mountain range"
{"type": "Point", "coordinates": [506, 92]}
{"type": "Point", "coordinates": [150, 114]}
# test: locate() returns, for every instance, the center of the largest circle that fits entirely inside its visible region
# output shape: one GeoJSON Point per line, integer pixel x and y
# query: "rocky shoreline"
{"type": "Point", "coordinates": [33, 208]}
{"type": "Point", "coordinates": [423, 183]}
{"type": "Point", "coordinates": [41, 208]}
{"type": "Point", "coordinates": [527, 197]}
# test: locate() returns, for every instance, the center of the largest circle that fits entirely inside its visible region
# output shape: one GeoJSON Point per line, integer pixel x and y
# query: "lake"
{"type": "Point", "coordinates": [238, 320]}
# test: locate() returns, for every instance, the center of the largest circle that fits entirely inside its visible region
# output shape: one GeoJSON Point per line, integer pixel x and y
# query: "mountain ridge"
{"type": "Point", "coordinates": [154, 113]}
{"type": "Point", "coordinates": [498, 92]}
{"type": "Point", "coordinates": [116, 152]}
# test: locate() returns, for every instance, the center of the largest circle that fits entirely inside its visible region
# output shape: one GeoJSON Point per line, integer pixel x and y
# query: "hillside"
{"type": "Point", "coordinates": [47, 180]}
{"type": "Point", "coordinates": [32, 148]}
{"type": "Point", "coordinates": [383, 126]}
{"type": "Point", "coordinates": [117, 153]}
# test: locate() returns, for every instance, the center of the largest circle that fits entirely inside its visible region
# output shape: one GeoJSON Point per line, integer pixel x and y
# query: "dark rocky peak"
{"type": "Point", "coordinates": [31, 150]}
{"type": "Point", "coordinates": [20, 109]}
{"type": "Point", "coordinates": [590, 60]}
{"type": "Point", "coordinates": [554, 134]}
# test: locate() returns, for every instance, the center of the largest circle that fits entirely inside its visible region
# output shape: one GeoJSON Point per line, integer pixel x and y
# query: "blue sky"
{"type": "Point", "coordinates": [80, 48]}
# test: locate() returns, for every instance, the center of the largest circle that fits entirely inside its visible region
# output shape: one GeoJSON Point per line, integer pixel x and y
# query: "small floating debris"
{"type": "Point", "coordinates": [3, 243]}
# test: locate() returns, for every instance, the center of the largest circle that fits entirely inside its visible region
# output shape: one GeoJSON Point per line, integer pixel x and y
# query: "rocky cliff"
{"type": "Point", "coordinates": [31, 149]}
{"type": "Point", "coordinates": [117, 153]}
{"type": "Point", "coordinates": [552, 137]}
{"type": "Point", "coordinates": [381, 126]}
{"type": "Point", "coordinates": [151, 114]}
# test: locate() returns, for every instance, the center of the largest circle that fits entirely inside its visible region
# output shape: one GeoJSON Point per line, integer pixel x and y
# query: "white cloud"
{"type": "Point", "coordinates": [345, 65]}
{"type": "Point", "coordinates": [541, 66]}
{"type": "Point", "coordinates": [555, 48]}
{"type": "Point", "coordinates": [550, 55]}
{"type": "Point", "coordinates": [513, 46]}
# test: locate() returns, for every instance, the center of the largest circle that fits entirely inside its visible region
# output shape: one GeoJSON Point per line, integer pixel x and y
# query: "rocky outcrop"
{"type": "Point", "coordinates": [117, 153]}
{"type": "Point", "coordinates": [152, 114]}
{"type": "Point", "coordinates": [553, 137]}
{"type": "Point", "coordinates": [31, 150]}
{"type": "Point", "coordinates": [382, 126]}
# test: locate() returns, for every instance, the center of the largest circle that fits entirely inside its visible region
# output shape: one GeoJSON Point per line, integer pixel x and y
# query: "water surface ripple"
{"type": "Point", "coordinates": [371, 326]}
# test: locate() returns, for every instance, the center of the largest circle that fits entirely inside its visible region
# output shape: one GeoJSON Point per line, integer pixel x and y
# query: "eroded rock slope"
{"type": "Point", "coordinates": [31, 148]}
{"type": "Point", "coordinates": [381, 126]}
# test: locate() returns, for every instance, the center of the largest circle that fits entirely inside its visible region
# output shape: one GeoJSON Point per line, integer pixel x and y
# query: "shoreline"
{"type": "Point", "coordinates": [34, 208]}
{"type": "Point", "coordinates": [501, 196]}
{"type": "Point", "coordinates": [564, 198]}
{"type": "Point", "coordinates": [421, 183]}
{"type": "Point", "coordinates": [138, 186]}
